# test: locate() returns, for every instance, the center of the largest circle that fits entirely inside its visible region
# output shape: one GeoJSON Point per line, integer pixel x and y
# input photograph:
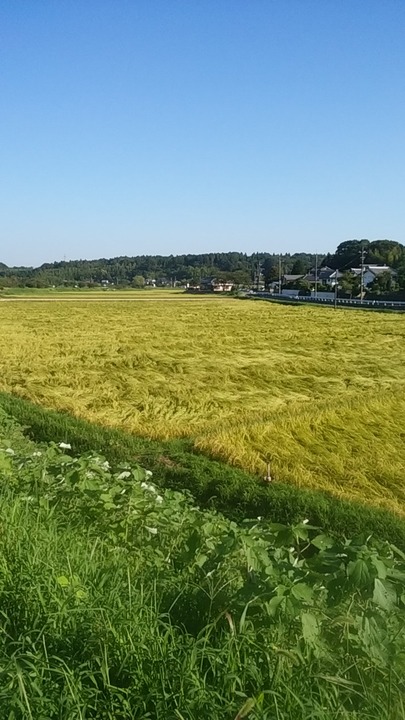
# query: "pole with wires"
{"type": "Point", "coordinates": [279, 274]}
{"type": "Point", "coordinates": [316, 276]}
{"type": "Point", "coordinates": [336, 288]}
{"type": "Point", "coordinates": [362, 274]}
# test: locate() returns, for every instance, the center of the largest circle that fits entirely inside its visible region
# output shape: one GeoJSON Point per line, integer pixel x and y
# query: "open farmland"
{"type": "Point", "coordinates": [319, 393]}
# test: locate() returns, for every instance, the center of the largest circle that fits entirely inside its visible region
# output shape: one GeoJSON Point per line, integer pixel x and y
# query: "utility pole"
{"type": "Point", "coordinates": [316, 276]}
{"type": "Point", "coordinates": [336, 288]}
{"type": "Point", "coordinates": [279, 274]}
{"type": "Point", "coordinates": [258, 275]}
{"type": "Point", "coordinates": [362, 274]}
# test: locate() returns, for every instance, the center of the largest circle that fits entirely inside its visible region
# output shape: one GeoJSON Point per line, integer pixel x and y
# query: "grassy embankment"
{"type": "Point", "coordinates": [319, 393]}
{"type": "Point", "coordinates": [108, 293]}
{"type": "Point", "coordinates": [118, 602]}
{"type": "Point", "coordinates": [236, 493]}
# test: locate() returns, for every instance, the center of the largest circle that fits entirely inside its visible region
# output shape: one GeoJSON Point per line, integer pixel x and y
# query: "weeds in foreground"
{"type": "Point", "coordinates": [215, 484]}
{"type": "Point", "coordinates": [122, 601]}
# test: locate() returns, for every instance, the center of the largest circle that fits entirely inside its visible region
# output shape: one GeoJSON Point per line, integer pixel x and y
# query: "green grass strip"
{"type": "Point", "coordinates": [232, 491]}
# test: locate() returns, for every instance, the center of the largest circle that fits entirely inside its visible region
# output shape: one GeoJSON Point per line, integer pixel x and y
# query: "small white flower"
{"type": "Point", "coordinates": [159, 499]}
{"type": "Point", "coordinates": [305, 522]}
{"type": "Point", "coordinates": [65, 446]}
{"type": "Point", "coordinates": [124, 474]}
{"type": "Point", "coordinates": [259, 517]}
{"type": "Point", "coordinates": [150, 488]}
{"type": "Point", "coordinates": [152, 530]}
{"type": "Point", "coordinates": [105, 465]}
{"type": "Point", "coordinates": [148, 473]}
{"type": "Point", "coordinates": [37, 454]}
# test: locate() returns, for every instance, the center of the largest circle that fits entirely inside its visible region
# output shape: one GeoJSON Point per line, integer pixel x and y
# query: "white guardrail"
{"type": "Point", "coordinates": [393, 304]}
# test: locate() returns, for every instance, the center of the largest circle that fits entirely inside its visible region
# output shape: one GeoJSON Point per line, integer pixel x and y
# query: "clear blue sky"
{"type": "Point", "coordinates": [170, 126]}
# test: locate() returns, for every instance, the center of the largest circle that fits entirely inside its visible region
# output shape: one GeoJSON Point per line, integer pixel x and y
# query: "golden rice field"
{"type": "Point", "coordinates": [317, 392]}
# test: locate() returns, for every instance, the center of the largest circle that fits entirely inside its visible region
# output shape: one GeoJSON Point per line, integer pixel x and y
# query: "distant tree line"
{"type": "Point", "coordinates": [377, 252]}
{"type": "Point", "coordinates": [164, 270]}
{"type": "Point", "coordinates": [240, 268]}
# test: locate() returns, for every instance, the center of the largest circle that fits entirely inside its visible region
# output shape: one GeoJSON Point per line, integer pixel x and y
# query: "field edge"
{"type": "Point", "coordinates": [176, 464]}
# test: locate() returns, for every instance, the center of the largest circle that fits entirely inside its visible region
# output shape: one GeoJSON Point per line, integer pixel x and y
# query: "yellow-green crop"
{"type": "Point", "coordinates": [318, 393]}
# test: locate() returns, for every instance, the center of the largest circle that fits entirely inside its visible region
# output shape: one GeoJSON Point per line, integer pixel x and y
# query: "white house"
{"type": "Point", "coordinates": [332, 278]}
{"type": "Point", "coordinates": [371, 272]}
{"type": "Point", "coordinates": [211, 284]}
{"type": "Point", "coordinates": [222, 286]}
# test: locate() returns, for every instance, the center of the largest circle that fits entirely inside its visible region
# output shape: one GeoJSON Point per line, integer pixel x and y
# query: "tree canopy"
{"type": "Point", "coordinates": [165, 270]}
{"type": "Point", "coordinates": [238, 267]}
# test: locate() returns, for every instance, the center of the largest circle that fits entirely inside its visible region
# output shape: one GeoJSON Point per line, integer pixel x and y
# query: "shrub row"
{"type": "Point", "coordinates": [175, 464]}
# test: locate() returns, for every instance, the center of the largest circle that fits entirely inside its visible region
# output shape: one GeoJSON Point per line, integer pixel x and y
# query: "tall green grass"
{"type": "Point", "coordinates": [117, 603]}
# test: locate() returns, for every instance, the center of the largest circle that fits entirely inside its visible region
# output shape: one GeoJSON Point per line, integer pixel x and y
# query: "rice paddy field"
{"type": "Point", "coordinates": [317, 393]}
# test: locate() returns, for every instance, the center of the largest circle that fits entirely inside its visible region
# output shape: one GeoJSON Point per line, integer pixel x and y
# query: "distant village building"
{"type": "Point", "coordinates": [212, 284]}
{"type": "Point", "coordinates": [324, 280]}
{"type": "Point", "coordinates": [372, 272]}
{"type": "Point", "coordinates": [287, 279]}
{"type": "Point", "coordinates": [324, 276]}
{"type": "Point", "coordinates": [327, 276]}
{"type": "Point", "coordinates": [331, 277]}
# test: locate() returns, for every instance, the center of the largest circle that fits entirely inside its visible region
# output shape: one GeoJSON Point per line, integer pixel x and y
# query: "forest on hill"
{"type": "Point", "coordinates": [238, 267]}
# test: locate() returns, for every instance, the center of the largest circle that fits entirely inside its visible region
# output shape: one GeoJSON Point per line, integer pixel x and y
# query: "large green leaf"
{"type": "Point", "coordinates": [322, 542]}
{"type": "Point", "coordinates": [358, 572]}
{"type": "Point", "coordinates": [310, 628]}
{"type": "Point", "coordinates": [302, 591]}
{"type": "Point", "coordinates": [384, 594]}
{"type": "Point", "coordinates": [380, 567]}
